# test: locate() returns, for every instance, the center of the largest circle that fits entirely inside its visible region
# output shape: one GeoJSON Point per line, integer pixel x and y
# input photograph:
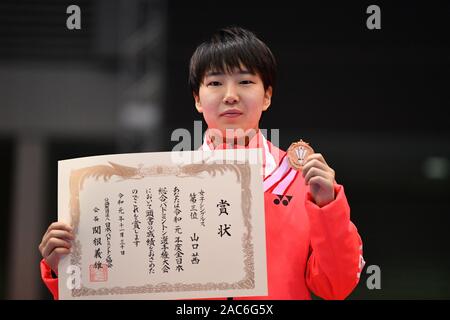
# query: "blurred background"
{"type": "Point", "coordinates": [372, 101]}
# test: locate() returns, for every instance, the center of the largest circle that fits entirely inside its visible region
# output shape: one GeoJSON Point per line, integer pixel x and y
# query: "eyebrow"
{"type": "Point", "coordinates": [219, 73]}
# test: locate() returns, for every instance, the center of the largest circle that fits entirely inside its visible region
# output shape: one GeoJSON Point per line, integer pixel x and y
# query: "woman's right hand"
{"type": "Point", "coordinates": [55, 243]}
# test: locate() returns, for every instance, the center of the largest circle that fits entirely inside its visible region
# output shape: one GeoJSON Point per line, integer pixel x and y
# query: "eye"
{"type": "Point", "coordinates": [246, 82]}
{"type": "Point", "coordinates": [214, 83]}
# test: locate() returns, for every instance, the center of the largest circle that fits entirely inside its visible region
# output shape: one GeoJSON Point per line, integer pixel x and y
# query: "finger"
{"type": "Point", "coordinates": [60, 226]}
{"type": "Point", "coordinates": [320, 180]}
{"type": "Point", "coordinates": [314, 164]}
{"type": "Point", "coordinates": [61, 234]}
{"type": "Point", "coordinates": [316, 172]}
{"type": "Point", "coordinates": [315, 156]}
{"type": "Point", "coordinates": [53, 244]}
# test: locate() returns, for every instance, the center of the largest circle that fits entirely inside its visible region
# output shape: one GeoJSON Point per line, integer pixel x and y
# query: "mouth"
{"type": "Point", "coordinates": [232, 113]}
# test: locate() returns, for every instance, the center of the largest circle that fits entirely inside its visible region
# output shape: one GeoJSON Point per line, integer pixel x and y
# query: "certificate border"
{"type": "Point", "coordinates": [243, 174]}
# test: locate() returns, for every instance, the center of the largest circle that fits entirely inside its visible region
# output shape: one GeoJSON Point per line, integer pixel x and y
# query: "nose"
{"type": "Point", "coordinates": [231, 95]}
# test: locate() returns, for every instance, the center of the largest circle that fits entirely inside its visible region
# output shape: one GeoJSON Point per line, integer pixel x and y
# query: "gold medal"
{"type": "Point", "coordinates": [297, 154]}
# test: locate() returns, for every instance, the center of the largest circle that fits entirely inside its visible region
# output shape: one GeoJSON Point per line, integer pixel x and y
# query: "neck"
{"type": "Point", "coordinates": [241, 140]}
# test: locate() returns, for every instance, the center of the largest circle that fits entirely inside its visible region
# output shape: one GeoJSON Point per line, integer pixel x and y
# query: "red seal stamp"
{"type": "Point", "coordinates": [97, 274]}
{"type": "Point", "coordinates": [297, 154]}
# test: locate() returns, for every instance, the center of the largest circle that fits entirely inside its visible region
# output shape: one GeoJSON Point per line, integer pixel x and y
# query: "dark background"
{"type": "Point", "coordinates": [372, 101]}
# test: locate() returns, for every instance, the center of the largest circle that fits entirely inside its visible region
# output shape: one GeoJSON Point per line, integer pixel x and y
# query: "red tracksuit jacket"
{"type": "Point", "coordinates": [308, 248]}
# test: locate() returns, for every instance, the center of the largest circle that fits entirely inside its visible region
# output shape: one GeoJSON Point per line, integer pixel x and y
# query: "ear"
{"type": "Point", "coordinates": [267, 98]}
{"type": "Point", "coordinates": [198, 105]}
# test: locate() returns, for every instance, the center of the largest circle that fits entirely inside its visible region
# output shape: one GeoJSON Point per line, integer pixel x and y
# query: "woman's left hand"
{"type": "Point", "coordinates": [320, 178]}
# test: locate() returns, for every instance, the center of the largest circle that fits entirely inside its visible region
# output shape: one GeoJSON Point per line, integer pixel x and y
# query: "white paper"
{"type": "Point", "coordinates": [169, 225]}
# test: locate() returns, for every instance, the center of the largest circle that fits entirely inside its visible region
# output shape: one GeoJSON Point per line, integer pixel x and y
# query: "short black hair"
{"type": "Point", "coordinates": [228, 49]}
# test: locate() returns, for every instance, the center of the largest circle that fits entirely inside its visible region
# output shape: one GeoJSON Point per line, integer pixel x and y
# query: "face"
{"type": "Point", "coordinates": [232, 101]}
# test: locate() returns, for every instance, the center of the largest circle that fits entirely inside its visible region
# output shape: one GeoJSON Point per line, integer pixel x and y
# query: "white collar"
{"type": "Point", "coordinates": [270, 163]}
